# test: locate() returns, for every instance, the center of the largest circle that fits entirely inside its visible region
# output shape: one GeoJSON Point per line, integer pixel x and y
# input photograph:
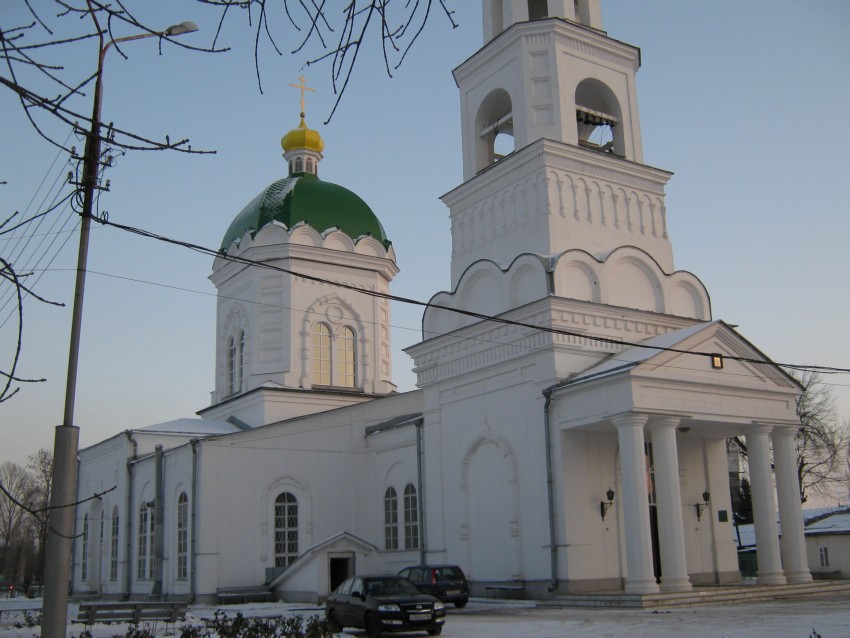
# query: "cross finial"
{"type": "Point", "coordinates": [303, 86]}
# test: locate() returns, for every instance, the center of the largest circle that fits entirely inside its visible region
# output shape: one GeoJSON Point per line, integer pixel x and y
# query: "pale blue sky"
{"type": "Point", "coordinates": [745, 102]}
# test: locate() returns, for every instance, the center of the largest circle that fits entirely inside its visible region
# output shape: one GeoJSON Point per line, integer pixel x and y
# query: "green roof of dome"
{"type": "Point", "coordinates": [303, 197]}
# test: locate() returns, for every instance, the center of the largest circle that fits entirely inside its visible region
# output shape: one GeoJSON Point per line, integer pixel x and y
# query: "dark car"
{"type": "Point", "coordinates": [384, 603]}
{"type": "Point", "coordinates": [446, 582]}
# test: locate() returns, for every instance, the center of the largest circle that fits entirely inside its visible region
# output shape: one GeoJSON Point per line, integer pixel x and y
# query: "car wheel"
{"type": "Point", "coordinates": [373, 629]}
{"type": "Point", "coordinates": [334, 623]}
{"type": "Point", "coordinates": [436, 631]}
{"type": "Point", "coordinates": [460, 604]}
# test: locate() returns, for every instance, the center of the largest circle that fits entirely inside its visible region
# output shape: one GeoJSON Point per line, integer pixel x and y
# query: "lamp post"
{"type": "Point", "coordinates": [57, 567]}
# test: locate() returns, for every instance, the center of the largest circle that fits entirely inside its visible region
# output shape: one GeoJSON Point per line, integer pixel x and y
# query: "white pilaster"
{"type": "Point", "coordinates": [793, 541]}
{"type": "Point", "coordinates": [640, 578]}
{"type": "Point", "coordinates": [764, 507]}
{"type": "Point", "coordinates": [671, 530]}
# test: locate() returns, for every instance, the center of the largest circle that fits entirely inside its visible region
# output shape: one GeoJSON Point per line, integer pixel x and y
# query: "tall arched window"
{"type": "Point", "coordinates": [334, 356]}
{"type": "Point", "coordinates": [390, 519]}
{"type": "Point", "coordinates": [299, 165]}
{"type": "Point", "coordinates": [182, 536]}
{"type": "Point", "coordinates": [113, 546]}
{"type": "Point", "coordinates": [142, 558]}
{"type": "Point", "coordinates": [145, 562]}
{"type": "Point", "coordinates": [411, 518]}
{"type": "Point", "coordinates": [321, 355]}
{"type": "Point", "coordinates": [231, 365]}
{"type": "Point", "coordinates": [285, 529]}
{"type": "Point", "coordinates": [346, 357]}
{"type": "Point", "coordinates": [240, 371]}
{"type": "Point", "coordinates": [84, 558]}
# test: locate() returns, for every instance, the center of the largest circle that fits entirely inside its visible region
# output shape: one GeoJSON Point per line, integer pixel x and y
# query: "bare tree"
{"type": "Point", "coordinates": [822, 440]}
{"type": "Point", "coordinates": [16, 482]}
{"type": "Point", "coordinates": [40, 466]}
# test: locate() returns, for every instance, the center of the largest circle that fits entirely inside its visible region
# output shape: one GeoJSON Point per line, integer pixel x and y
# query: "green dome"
{"type": "Point", "coordinates": [303, 197]}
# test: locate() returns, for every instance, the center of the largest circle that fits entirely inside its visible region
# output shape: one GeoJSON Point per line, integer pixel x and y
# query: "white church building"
{"type": "Point", "coordinates": [574, 393]}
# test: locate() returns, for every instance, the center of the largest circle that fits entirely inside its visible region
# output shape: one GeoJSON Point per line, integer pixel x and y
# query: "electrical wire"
{"type": "Point", "coordinates": [469, 313]}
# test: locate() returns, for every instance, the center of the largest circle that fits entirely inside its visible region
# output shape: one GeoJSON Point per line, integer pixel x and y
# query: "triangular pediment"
{"type": "Point", "coordinates": [677, 374]}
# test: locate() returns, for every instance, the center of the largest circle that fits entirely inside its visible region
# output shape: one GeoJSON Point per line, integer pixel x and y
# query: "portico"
{"type": "Point", "coordinates": [660, 398]}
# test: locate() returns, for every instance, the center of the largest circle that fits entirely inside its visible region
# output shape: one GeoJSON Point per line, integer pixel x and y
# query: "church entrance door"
{"type": "Point", "coordinates": [653, 511]}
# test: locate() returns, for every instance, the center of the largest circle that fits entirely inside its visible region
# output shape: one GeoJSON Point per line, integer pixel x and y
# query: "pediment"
{"type": "Point", "coordinates": [672, 374]}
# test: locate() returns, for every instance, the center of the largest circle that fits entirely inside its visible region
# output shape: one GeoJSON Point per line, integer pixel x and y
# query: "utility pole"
{"type": "Point", "coordinates": [60, 533]}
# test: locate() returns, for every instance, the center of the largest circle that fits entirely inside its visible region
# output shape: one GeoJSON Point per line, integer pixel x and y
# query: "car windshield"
{"type": "Point", "coordinates": [390, 587]}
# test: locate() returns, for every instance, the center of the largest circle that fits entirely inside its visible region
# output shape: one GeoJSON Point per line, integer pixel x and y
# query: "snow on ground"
{"type": "Point", "coordinates": [512, 619]}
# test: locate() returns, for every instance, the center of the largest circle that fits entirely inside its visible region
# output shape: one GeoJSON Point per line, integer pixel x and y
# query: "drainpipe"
{"type": "Point", "coordinates": [550, 490]}
{"type": "Point", "coordinates": [128, 556]}
{"type": "Point", "coordinates": [421, 488]}
{"type": "Point", "coordinates": [159, 526]}
{"type": "Point", "coordinates": [193, 566]}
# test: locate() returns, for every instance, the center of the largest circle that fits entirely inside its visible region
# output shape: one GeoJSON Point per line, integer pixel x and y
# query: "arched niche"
{"type": "Point", "coordinates": [494, 124]}
{"type": "Point", "coordinates": [599, 118]}
{"type": "Point", "coordinates": [634, 284]}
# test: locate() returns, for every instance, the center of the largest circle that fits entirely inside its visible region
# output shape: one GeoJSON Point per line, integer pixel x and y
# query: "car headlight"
{"type": "Point", "coordinates": [438, 605]}
{"type": "Point", "coordinates": [390, 607]}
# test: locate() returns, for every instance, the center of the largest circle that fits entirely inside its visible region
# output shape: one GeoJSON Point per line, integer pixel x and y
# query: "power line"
{"type": "Point", "coordinates": [469, 313]}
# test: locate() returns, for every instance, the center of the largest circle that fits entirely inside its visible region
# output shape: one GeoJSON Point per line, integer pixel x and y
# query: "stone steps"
{"type": "Point", "coordinates": [702, 596]}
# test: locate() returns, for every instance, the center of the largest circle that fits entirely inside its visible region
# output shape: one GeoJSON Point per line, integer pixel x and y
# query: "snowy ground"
{"type": "Point", "coordinates": [507, 619]}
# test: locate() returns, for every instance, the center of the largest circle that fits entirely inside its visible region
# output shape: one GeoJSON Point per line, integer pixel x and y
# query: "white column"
{"type": "Point", "coordinates": [671, 529]}
{"type": "Point", "coordinates": [640, 578]}
{"type": "Point", "coordinates": [764, 507]}
{"type": "Point", "coordinates": [793, 541]}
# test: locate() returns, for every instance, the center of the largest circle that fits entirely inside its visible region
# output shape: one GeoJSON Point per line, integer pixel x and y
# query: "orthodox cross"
{"type": "Point", "coordinates": [303, 86]}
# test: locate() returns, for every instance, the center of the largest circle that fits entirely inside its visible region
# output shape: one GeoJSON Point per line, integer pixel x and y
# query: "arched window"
{"type": "Point", "coordinates": [411, 518]}
{"type": "Point", "coordinates": [240, 370]}
{"type": "Point", "coordinates": [598, 118]}
{"type": "Point", "coordinates": [231, 365]}
{"type": "Point", "coordinates": [345, 348]}
{"type": "Point", "coordinates": [142, 558]}
{"type": "Point", "coordinates": [145, 562]}
{"type": "Point", "coordinates": [182, 536]}
{"type": "Point", "coordinates": [495, 125]}
{"type": "Point", "coordinates": [299, 166]}
{"type": "Point", "coordinates": [113, 546]}
{"type": "Point", "coordinates": [84, 559]}
{"type": "Point", "coordinates": [310, 165]}
{"type": "Point", "coordinates": [334, 357]}
{"type": "Point", "coordinates": [321, 355]}
{"type": "Point", "coordinates": [285, 529]}
{"type": "Point", "coordinates": [390, 519]}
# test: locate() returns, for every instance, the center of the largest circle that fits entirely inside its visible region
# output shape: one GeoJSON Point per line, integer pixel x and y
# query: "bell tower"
{"type": "Point", "coordinates": [552, 151]}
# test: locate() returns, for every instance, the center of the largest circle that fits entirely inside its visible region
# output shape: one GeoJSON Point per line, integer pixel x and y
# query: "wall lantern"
{"type": "Point", "coordinates": [605, 505]}
{"type": "Point", "coordinates": [701, 506]}
{"type": "Point", "coordinates": [717, 361]}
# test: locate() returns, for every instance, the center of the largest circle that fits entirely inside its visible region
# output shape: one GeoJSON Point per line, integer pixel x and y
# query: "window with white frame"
{"type": "Point", "coordinates": [235, 362]}
{"type": "Point", "coordinates": [182, 536]}
{"type": "Point", "coordinates": [285, 529]}
{"type": "Point", "coordinates": [334, 356]}
{"type": "Point", "coordinates": [824, 556]}
{"type": "Point", "coordinates": [84, 558]}
{"type": "Point", "coordinates": [345, 351]}
{"type": "Point", "coordinates": [390, 519]}
{"type": "Point", "coordinates": [113, 546]}
{"type": "Point", "coordinates": [145, 557]}
{"type": "Point", "coordinates": [411, 518]}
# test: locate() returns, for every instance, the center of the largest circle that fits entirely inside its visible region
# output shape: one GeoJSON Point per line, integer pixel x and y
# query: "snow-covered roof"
{"type": "Point", "coordinates": [635, 355]}
{"type": "Point", "coordinates": [837, 523]}
{"type": "Point", "coordinates": [190, 427]}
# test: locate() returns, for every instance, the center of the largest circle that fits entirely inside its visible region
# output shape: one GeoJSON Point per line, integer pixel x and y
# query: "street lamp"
{"type": "Point", "coordinates": [57, 566]}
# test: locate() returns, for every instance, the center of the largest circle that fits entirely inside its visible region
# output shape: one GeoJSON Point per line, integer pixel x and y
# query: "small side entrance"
{"type": "Point", "coordinates": [340, 568]}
